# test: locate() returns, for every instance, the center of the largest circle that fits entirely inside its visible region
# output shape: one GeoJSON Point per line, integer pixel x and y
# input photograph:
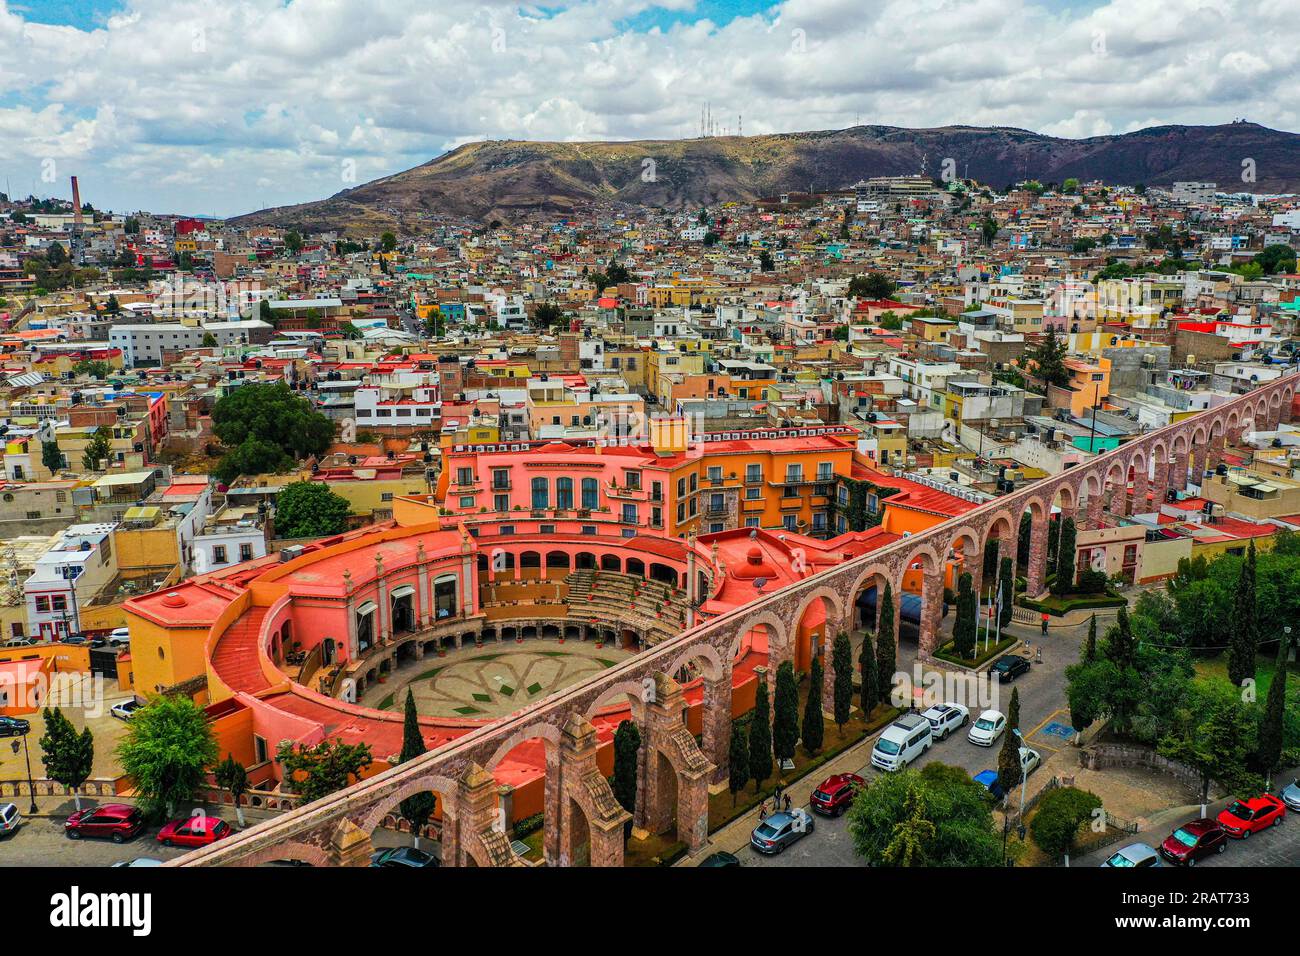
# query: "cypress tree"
{"type": "Point", "coordinates": [963, 628]}
{"type": "Point", "coordinates": [886, 664]}
{"type": "Point", "coordinates": [1269, 753]}
{"type": "Point", "coordinates": [1008, 586]}
{"type": "Point", "coordinates": [1090, 648]}
{"type": "Point", "coordinates": [1120, 646]}
{"type": "Point", "coordinates": [870, 679]}
{"type": "Point", "coordinates": [417, 808]}
{"type": "Point", "coordinates": [785, 706]}
{"type": "Point", "coordinates": [842, 666]}
{"type": "Point", "coordinates": [1063, 583]}
{"type": "Point", "coordinates": [1009, 774]}
{"type": "Point", "coordinates": [814, 725]}
{"type": "Point", "coordinates": [738, 762]}
{"type": "Point", "coordinates": [1245, 635]}
{"type": "Point", "coordinates": [627, 743]}
{"type": "Point", "coordinates": [760, 737]}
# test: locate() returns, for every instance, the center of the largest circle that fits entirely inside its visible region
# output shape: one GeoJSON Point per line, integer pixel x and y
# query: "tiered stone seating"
{"type": "Point", "coordinates": [648, 606]}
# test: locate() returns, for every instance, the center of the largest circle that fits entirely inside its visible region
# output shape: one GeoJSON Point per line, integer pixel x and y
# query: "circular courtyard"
{"type": "Point", "coordinates": [492, 680]}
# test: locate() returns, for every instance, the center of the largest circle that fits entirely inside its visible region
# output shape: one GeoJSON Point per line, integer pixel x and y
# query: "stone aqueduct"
{"type": "Point", "coordinates": [580, 810]}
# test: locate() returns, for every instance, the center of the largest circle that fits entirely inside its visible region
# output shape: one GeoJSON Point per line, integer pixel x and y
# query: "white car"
{"type": "Point", "coordinates": [120, 637]}
{"type": "Point", "coordinates": [945, 718]}
{"type": "Point", "coordinates": [988, 727]}
{"type": "Point", "coordinates": [1029, 760]}
{"type": "Point", "coordinates": [10, 819]}
{"type": "Point", "coordinates": [125, 710]}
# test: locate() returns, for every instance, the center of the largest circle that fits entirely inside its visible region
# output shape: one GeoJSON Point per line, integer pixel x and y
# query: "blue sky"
{"type": "Point", "coordinates": [221, 106]}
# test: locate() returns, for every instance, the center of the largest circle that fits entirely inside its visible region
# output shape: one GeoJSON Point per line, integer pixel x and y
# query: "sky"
{"type": "Point", "coordinates": [218, 108]}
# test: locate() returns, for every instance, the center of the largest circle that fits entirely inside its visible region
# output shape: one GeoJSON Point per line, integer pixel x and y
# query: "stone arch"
{"type": "Point", "coordinates": [833, 611]}
{"type": "Point", "coordinates": [775, 633]}
{"type": "Point", "coordinates": [714, 667]}
{"type": "Point", "coordinates": [633, 690]}
{"type": "Point", "coordinates": [442, 786]}
{"type": "Point", "coordinates": [537, 731]}
{"type": "Point", "coordinates": [289, 850]}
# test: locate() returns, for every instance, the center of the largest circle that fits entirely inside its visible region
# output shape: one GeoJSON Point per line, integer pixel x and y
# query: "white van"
{"type": "Point", "coordinates": [902, 742]}
{"type": "Point", "coordinates": [10, 819]}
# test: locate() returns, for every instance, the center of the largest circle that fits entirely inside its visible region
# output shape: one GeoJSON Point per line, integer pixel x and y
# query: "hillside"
{"type": "Point", "coordinates": [510, 179]}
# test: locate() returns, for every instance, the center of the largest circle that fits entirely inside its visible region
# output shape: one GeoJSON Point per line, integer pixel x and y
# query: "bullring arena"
{"type": "Point", "coordinates": [526, 649]}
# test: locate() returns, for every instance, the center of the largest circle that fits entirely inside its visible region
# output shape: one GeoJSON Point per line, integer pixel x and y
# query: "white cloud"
{"type": "Point", "coordinates": [189, 105]}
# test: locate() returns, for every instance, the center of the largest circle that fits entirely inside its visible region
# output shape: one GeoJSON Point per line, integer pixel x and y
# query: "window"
{"type": "Point", "coordinates": [43, 605]}
{"type": "Point", "coordinates": [633, 479]}
{"type": "Point", "coordinates": [753, 494]}
{"type": "Point", "coordinates": [501, 478]}
{"type": "Point", "coordinates": [564, 493]}
{"type": "Point", "coordinates": [629, 514]}
{"type": "Point", "coordinates": [825, 470]}
{"type": "Point", "coordinates": [245, 552]}
{"type": "Point", "coordinates": [59, 602]}
{"type": "Point", "coordinates": [793, 473]}
{"type": "Point", "coordinates": [33, 515]}
{"type": "Point", "coordinates": [694, 482]}
{"type": "Point", "coordinates": [788, 521]}
{"type": "Point", "coordinates": [717, 503]}
{"type": "Point", "coordinates": [753, 473]}
{"type": "Point", "coordinates": [464, 476]}
{"type": "Point", "coordinates": [501, 502]}
{"type": "Point", "coordinates": [219, 554]}
{"type": "Point", "coordinates": [541, 493]}
{"type": "Point", "coordinates": [590, 493]}
{"type": "Point", "coordinates": [466, 501]}
{"type": "Point", "coordinates": [751, 522]}
{"type": "Point", "coordinates": [388, 496]}
{"type": "Point", "coordinates": [681, 487]}
{"type": "Point", "coordinates": [715, 473]}
{"type": "Point", "coordinates": [657, 491]}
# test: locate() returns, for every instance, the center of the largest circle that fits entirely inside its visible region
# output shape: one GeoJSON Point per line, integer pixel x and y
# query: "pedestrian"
{"type": "Point", "coordinates": [762, 811]}
{"type": "Point", "coordinates": [787, 803]}
{"type": "Point", "coordinates": [1044, 624]}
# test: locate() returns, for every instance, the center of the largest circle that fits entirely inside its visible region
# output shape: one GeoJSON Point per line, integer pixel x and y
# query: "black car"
{"type": "Point", "coordinates": [403, 856]}
{"type": "Point", "coordinates": [81, 640]}
{"type": "Point", "coordinates": [720, 858]}
{"type": "Point", "coordinates": [14, 727]}
{"type": "Point", "coordinates": [1009, 667]}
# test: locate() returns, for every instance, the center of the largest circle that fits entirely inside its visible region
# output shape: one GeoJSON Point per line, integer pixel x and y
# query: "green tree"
{"type": "Point", "coordinates": [785, 706]}
{"type": "Point", "coordinates": [1215, 736]}
{"type": "Point", "coordinates": [113, 307]}
{"type": "Point", "coordinates": [627, 744]}
{"type": "Point", "coordinates": [327, 767]}
{"type": "Point", "coordinates": [93, 369]}
{"type": "Point", "coordinates": [293, 242]}
{"type": "Point", "coordinates": [765, 263]}
{"type": "Point", "coordinates": [209, 340]}
{"type": "Point", "coordinates": [1268, 753]}
{"type": "Point", "coordinates": [1009, 769]}
{"type": "Point", "coordinates": [964, 627]}
{"type": "Point", "coordinates": [272, 416]}
{"type": "Point", "coordinates": [760, 737]}
{"type": "Point", "coordinates": [737, 762]}
{"type": "Point", "coordinates": [842, 669]}
{"type": "Point", "coordinates": [387, 242]}
{"type": "Point", "coordinates": [886, 661]}
{"type": "Point", "coordinates": [1244, 643]}
{"type": "Point", "coordinates": [1064, 581]}
{"type": "Point", "coordinates": [233, 778]}
{"type": "Point", "coordinates": [867, 667]}
{"type": "Point", "coordinates": [874, 285]}
{"type": "Point", "coordinates": [813, 732]}
{"type": "Point", "coordinates": [51, 457]}
{"type": "Point", "coordinates": [1047, 359]}
{"type": "Point", "coordinates": [1060, 815]}
{"type": "Point", "coordinates": [888, 816]}
{"type": "Point", "coordinates": [548, 314]}
{"type": "Point", "coordinates": [97, 449]}
{"type": "Point", "coordinates": [68, 756]}
{"type": "Point", "coordinates": [308, 509]}
{"type": "Point", "coordinates": [419, 807]}
{"type": "Point", "coordinates": [167, 750]}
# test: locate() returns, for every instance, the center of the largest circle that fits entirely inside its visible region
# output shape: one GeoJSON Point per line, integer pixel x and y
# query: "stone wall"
{"type": "Point", "coordinates": [1099, 756]}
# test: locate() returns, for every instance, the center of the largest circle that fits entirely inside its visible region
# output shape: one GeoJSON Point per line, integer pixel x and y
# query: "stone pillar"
{"type": "Point", "coordinates": [1095, 503]}
{"type": "Point", "coordinates": [1178, 477]}
{"type": "Point", "coordinates": [552, 790]}
{"type": "Point", "coordinates": [423, 596]}
{"type": "Point", "coordinates": [1036, 569]}
{"type": "Point", "coordinates": [350, 845]}
{"type": "Point", "coordinates": [350, 609]}
{"type": "Point", "coordinates": [384, 611]}
{"type": "Point", "coordinates": [1198, 464]}
{"type": "Point", "coordinates": [586, 792]}
{"type": "Point", "coordinates": [1160, 483]}
{"type": "Point", "coordinates": [671, 749]}
{"type": "Point", "coordinates": [482, 826]}
{"type": "Point", "coordinates": [1140, 485]}
{"type": "Point", "coordinates": [449, 837]}
{"type": "Point", "coordinates": [692, 582]}
{"type": "Point", "coordinates": [931, 612]}
{"type": "Point", "coordinates": [716, 720]}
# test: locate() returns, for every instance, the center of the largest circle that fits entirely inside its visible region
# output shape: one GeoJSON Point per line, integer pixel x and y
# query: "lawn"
{"type": "Point", "coordinates": [1216, 668]}
{"type": "Point", "coordinates": [945, 652]}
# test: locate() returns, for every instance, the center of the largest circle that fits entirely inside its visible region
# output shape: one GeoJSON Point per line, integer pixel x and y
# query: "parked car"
{"type": "Point", "coordinates": [119, 637]}
{"type": "Point", "coordinates": [19, 642]}
{"type": "Point", "coordinates": [125, 710]}
{"type": "Point", "coordinates": [1291, 795]}
{"type": "Point", "coordinates": [1194, 840]}
{"type": "Point", "coordinates": [945, 718]}
{"type": "Point", "coordinates": [835, 794]}
{"type": "Point", "coordinates": [781, 829]}
{"type": "Point", "coordinates": [115, 821]}
{"type": "Point", "coordinates": [10, 819]}
{"type": "Point", "coordinates": [721, 858]}
{"type": "Point", "coordinates": [81, 640]}
{"type": "Point", "coordinates": [901, 742]}
{"type": "Point", "coordinates": [403, 856]}
{"type": "Point", "coordinates": [14, 727]}
{"type": "Point", "coordinates": [1241, 818]}
{"type": "Point", "coordinates": [1030, 760]}
{"type": "Point", "coordinates": [1009, 666]}
{"type": "Point", "coordinates": [988, 727]}
{"type": "Point", "coordinates": [1135, 855]}
{"type": "Point", "coordinates": [140, 861]}
{"type": "Point", "coordinates": [198, 830]}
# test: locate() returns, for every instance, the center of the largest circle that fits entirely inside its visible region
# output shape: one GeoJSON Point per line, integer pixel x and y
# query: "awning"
{"type": "Point", "coordinates": [367, 608]}
{"type": "Point", "coordinates": [403, 591]}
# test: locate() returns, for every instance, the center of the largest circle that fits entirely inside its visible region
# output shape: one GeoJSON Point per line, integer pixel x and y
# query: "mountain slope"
{"type": "Point", "coordinates": [510, 179]}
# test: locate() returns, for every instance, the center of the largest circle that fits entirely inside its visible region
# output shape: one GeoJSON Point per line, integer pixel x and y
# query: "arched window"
{"type": "Point", "coordinates": [564, 493]}
{"type": "Point", "coordinates": [541, 493]}
{"type": "Point", "coordinates": [590, 493]}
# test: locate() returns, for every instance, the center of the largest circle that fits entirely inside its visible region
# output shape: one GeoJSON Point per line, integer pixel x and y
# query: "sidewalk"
{"type": "Point", "coordinates": [735, 835]}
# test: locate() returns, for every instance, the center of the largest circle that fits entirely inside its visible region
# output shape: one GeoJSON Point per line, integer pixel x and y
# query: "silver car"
{"type": "Point", "coordinates": [781, 829]}
{"type": "Point", "coordinates": [10, 819]}
{"type": "Point", "coordinates": [1291, 795]}
{"type": "Point", "coordinates": [1135, 855]}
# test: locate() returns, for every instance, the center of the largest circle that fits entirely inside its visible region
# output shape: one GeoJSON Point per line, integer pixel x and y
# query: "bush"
{"type": "Point", "coordinates": [1092, 582]}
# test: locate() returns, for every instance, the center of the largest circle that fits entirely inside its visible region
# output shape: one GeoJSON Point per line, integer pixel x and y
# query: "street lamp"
{"type": "Point", "coordinates": [31, 784]}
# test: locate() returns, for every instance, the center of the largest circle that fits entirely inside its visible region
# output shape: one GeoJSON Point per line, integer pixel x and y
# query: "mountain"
{"type": "Point", "coordinates": [512, 179]}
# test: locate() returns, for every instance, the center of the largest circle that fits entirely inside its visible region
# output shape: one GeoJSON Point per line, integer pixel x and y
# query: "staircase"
{"type": "Point", "coordinates": [610, 596]}
{"type": "Point", "coordinates": [235, 658]}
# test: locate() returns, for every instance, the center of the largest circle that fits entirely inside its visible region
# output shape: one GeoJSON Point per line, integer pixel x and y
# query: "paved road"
{"type": "Point", "coordinates": [1042, 711]}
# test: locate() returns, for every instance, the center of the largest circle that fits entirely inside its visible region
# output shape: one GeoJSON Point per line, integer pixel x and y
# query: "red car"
{"type": "Point", "coordinates": [1191, 841]}
{"type": "Point", "coordinates": [198, 830]}
{"type": "Point", "coordinates": [1244, 817]}
{"type": "Point", "coordinates": [835, 794]}
{"type": "Point", "coordinates": [116, 821]}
